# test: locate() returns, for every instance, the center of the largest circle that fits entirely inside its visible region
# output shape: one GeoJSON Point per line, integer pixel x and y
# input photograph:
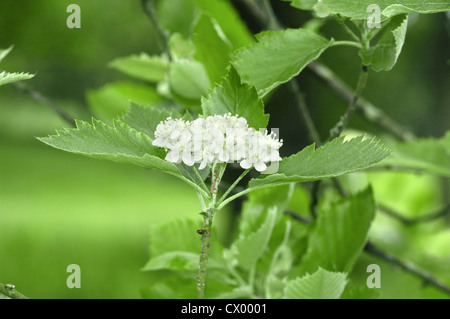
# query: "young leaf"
{"type": "Point", "coordinates": [303, 4]}
{"type": "Point", "coordinates": [320, 285]}
{"type": "Point", "coordinates": [383, 55]}
{"type": "Point", "coordinates": [339, 234]}
{"type": "Point", "coordinates": [358, 9]}
{"type": "Point", "coordinates": [6, 77]}
{"type": "Point", "coordinates": [188, 79]}
{"type": "Point", "coordinates": [146, 119]}
{"type": "Point", "coordinates": [4, 53]}
{"type": "Point", "coordinates": [143, 66]}
{"type": "Point", "coordinates": [249, 249]}
{"type": "Point", "coordinates": [113, 99]}
{"type": "Point", "coordinates": [429, 154]}
{"type": "Point", "coordinates": [330, 160]}
{"type": "Point", "coordinates": [238, 98]}
{"type": "Point", "coordinates": [278, 56]}
{"type": "Point", "coordinates": [212, 48]}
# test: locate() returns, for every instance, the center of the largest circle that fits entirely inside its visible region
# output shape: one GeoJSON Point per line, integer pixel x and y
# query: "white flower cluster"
{"type": "Point", "coordinates": [220, 139]}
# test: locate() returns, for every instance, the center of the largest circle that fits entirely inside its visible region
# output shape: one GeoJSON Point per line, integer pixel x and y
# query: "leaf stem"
{"type": "Point", "coordinates": [233, 186]}
{"type": "Point", "coordinates": [340, 126]}
{"type": "Point", "coordinates": [349, 43]}
{"type": "Point", "coordinates": [341, 21]}
{"type": "Point", "coordinates": [231, 198]}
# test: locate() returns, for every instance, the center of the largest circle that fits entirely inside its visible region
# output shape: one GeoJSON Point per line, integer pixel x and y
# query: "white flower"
{"type": "Point", "coordinates": [217, 138]}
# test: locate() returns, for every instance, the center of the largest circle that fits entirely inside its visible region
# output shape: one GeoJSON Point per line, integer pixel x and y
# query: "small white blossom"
{"type": "Point", "coordinates": [217, 138]}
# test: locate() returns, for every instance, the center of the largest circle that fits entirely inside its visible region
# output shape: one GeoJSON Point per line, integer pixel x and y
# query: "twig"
{"type": "Point", "coordinates": [10, 291]}
{"type": "Point", "coordinates": [149, 9]}
{"type": "Point", "coordinates": [340, 126]}
{"type": "Point", "coordinates": [367, 109]}
{"type": "Point", "coordinates": [424, 275]}
{"type": "Point", "coordinates": [375, 251]}
{"type": "Point", "coordinates": [299, 99]}
{"type": "Point", "coordinates": [443, 211]}
{"type": "Point", "coordinates": [44, 100]}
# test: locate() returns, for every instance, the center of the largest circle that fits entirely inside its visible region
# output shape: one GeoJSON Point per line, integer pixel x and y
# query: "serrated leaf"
{"type": "Point", "coordinates": [234, 97]}
{"type": "Point", "coordinates": [119, 143]}
{"type": "Point", "coordinates": [339, 234]}
{"type": "Point", "coordinates": [6, 77]}
{"type": "Point", "coordinates": [383, 55]}
{"type": "Point", "coordinates": [278, 56]}
{"type": "Point", "coordinates": [320, 285]}
{"type": "Point", "coordinates": [431, 155]}
{"type": "Point", "coordinates": [143, 66]}
{"type": "Point", "coordinates": [146, 119]}
{"type": "Point", "coordinates": [212, 48]}
{"type": "Point", "coordinates": [330, 160]}
{"type": "Point", "coordinates": [357, 9]}
{"type": "Point", "coordinates": [113, 99]}
{"type": "Point", "coordinates": [188, 79]}
{"type": "Point", "coordinates": [249, 249]}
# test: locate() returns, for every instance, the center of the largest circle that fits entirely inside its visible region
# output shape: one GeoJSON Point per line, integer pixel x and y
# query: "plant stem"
{"type": "Point", "coordinates": [224, 196]}
{"type": "Point", "coordinates": [35, 95]}
{"type": "Point", "coordinates": [347, 28]}
{"type": "Point", "coordinates": [349, 43]}
{"type": "Point", "coordinates": [206, 236]}
{"type": "Point", "coordinates": [149, 9]}
{"type": "Point", "coordinates": [367, 109]}
{"type": "Point", "coordinates": [9, 291]}
{"type": "Point", "coordinates": [340, 126]}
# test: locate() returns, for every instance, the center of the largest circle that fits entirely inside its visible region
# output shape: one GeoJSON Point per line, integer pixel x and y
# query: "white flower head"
{"type": "Point", "coordinates": [218, 138]}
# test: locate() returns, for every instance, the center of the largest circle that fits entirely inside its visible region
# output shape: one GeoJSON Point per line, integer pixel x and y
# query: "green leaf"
{"type": "Point", "coordinates": [212, 48]}
{"type": "Point", "coordinates": [339, 234]}
{"type": "Point", "coordinates": [180, 47]}
{"type": "Point", "coordinates": [357, 9]}
{"type": "Point", "coordinates": [242, 292]}
{"type": "Point", "coordinates": [431, 155]}
{"type": "Point", "coordinates": [278, 56]}
{"type": "Point", "coordinates": [143, 66]}
{"type": "Point", "coordinates": [188, 79]}
{"type": "Point", "coordinates": [119, 143]}
{"type": "Point", "coordinates": [146, 119]}
{"type": "Point", "coordinates": [5, 52]}
{"type": "Point", "coordinates": [249, 249]}
{"type": "Point", "coordinates": [238, 98]}
{"type": "Point", "coordinates": [330, 160]}
{"type": "Point", "coordinates": [320, 285]}
{"type": "Point", "coordinates": [384, 55]}
{"type": "Point", "coordinates": [303, 4]}
{"type": "Point", "coordinates": [229, 21]}
{"type": "Point", "coordinates": [113, 99]}
{"type": "Point", "coordinates": [169, 285]}
{"type": "Point", "coordinates": [6, 77]}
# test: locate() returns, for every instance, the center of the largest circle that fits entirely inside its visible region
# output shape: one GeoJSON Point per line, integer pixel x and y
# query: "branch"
{"type": "Point", "coordinates": [422, 274]}
{"type": "Point", "coordinates": [367, 109]}
{"type": "Point", "coordinates": [443, 211]}
{"type": "Point", "coordinates": [10, 291]}
{"type": "Point", "coordinates": [340, 126]}
{"type": "Point", "coordinates": [373, 250]}
{"type": "Point", "coordinates": [44, 100]}
{"type": "Point", "coordinates": [149, 9]}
